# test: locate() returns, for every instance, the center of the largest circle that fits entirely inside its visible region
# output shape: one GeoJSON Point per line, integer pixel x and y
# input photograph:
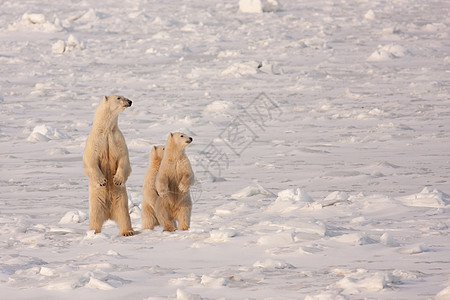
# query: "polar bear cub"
{"type": "Point", "coordinates": [107, 165]}
{"type": "Point", "coordinates": [174, 178]}
{"type": "Point", "coordinates": [149, 194]}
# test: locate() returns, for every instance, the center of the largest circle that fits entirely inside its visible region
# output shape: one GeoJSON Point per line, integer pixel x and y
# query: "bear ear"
{"type": "Point", "coordinates": [154, 147]}
{"type": "Point", "coordinates": [105, 98]}
{"type": "Point", "coordinates": [171, 134]}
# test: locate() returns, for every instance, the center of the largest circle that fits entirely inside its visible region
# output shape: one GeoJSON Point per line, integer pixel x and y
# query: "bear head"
{"type": "Point", "coordinates": [157, 152]}
{"type": "Point", "coordinates": [179, 140]}
{"type": "Point", "coordinates": [116, 103]}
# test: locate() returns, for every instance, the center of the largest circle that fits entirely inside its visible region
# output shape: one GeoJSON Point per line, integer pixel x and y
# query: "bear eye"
{"type": "Point", "coordinates": [118, 98]}
{"type": "Point", "coordinates": [182, 135]}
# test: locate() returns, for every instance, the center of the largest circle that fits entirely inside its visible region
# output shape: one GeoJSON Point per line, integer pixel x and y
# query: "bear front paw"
{"type": "Point", "coordinates": [101, 181]}
{"type": "Point", "coordinates": [162, 193]}
{"type": "Point", "coordinates": [118, 180]}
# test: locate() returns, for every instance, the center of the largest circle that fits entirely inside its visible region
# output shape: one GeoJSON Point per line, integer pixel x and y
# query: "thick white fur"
{"type": "Point", "coordinates": [107, 165]}
{"type": "Point", "coordinates": [173, 181]}
{"type": "Point", "coordinates": [149, 194]}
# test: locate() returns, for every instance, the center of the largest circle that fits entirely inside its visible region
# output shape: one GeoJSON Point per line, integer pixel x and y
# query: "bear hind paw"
{"type": "Point", "coordinates": [169, 228]}
{"type": "Point", "coordinates": [127, 233]}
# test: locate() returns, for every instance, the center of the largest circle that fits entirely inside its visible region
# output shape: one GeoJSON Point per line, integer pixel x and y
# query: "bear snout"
{"type": "Point", "coordinates": [189, 141]}
{"type": "Point", "coordinates": [126, 102]}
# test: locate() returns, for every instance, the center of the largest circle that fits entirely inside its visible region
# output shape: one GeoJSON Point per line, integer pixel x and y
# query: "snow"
{"type": "Point", "coordinates": [388, 52]}
{"type": "Point", "coordinates": [73, 217]}
{"type": "Point", "coordinates": [320, 147]}
{"type": "Point", "coordinates": [71, 45]}
{"type": "Point", "coordinates": [45, 133]}
{"type": "Point", "coordinates": [258, 6]}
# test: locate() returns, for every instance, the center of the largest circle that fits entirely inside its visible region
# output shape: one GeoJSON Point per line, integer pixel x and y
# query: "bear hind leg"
{"type": "Point", "coordinates": [163, 214]}
{"type": "Point", "coordinates": [119, 211]}
{"type": "Point", "coordinates": [148, 216]}
{"type": "Point", "coordinates": [98, 208]}
{"type": "Point", "coordinates": [183, 217]}
{"type": "Point", "coordinates": [96, 221]}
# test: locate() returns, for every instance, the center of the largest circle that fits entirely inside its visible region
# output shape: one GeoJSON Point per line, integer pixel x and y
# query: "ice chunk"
{"type": "Point", "coordinates": [45, 133]}
{"type": "Point", "coordinates": [354, 239]}
{"type": "Point", "coordinates": [278, 239]}
{"type": "Point", "coordinates": [34, 18]}
{"type": "Point", "coordinates": [387, 240]}
{"type": "Point", "coordinates": [388, 52]}
{"type": "Point", "coordinates": [271, 264]}
{"type": "Point", "coordinates": [426, 198]}
{"type": "Point", "coordinates": [35, 22]}
{"type": "Point", "coordinates": [222, 235]}
{"type": "Point", "coordinates": [46, 271]}
{"type": "Point", "coordinates": [354, 282]}
{"type": "Point", "coordinates": [59, 47]}
{"type": "Point", "coordinates": [250, 6]}
{"type": "Point", "coordinates": [258, 6]}
{"type": "Point", "coordinates": [213, 282]}
{"type": "Point", "coordinates": [326, 296]}
{"type": "Point", "coordinates": [296, 195]}
{"type": "Point", "coordinates": [73, 217]}
{"type": "Point", "coordinates": [444, 294]}
{"type": "Point", "coordinates": [415, 249]}
{"type": "Point", "coordinates": [370, 15]}
{"type": "Point", "coordinates": [270, 68]}
{"type": "Point", "coordinates": [246, 192]}
{"type": "Point", "coordinates": [239, 69]}
{"type": "Point", "coordinates": [218, 106]}
{"type": "Point", "coordinates": [335, 197]}
{"type": "Point", "coordinates": [71, 44]}
{"type": "Point", "coordinates": [289, 200]}
{"type": "Point", "coordinates": [98, 284]}
{"type": "Point", "coordinates": [183, 295]}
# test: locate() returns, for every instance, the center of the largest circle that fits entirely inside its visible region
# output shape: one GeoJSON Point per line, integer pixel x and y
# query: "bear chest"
{"type": "Point", "coordinates": [110, 148]}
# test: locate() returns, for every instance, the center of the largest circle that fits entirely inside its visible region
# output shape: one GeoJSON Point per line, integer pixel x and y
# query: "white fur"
{"type": "Point", "coordinates": [149, 194]}
{"type": "Point", "coordinates": [173, 181]}
{"type": "Point", "coordinates": [107, 165]}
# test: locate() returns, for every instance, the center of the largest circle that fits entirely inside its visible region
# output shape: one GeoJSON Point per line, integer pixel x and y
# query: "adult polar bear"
{"type": "Point", "coordinates": [107, 165]}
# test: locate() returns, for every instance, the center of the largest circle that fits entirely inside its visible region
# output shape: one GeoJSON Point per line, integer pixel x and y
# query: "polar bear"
{"type": "Point", "coordinates": [174, 178]}
{"type": "Point", "coordinates": [107, 165]}
{"type": "Point", "coordinates": [149, 194]}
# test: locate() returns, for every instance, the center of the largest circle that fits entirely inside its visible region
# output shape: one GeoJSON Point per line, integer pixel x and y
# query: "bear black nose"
{"type": "Point", "coordinates": [190, 139]}
{"type": "Point", "coordinates": [129, 102]}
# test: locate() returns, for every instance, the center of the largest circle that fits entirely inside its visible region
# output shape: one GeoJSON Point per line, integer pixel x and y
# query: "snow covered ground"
{"type": "Point", "coordinates": [321, 148]}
